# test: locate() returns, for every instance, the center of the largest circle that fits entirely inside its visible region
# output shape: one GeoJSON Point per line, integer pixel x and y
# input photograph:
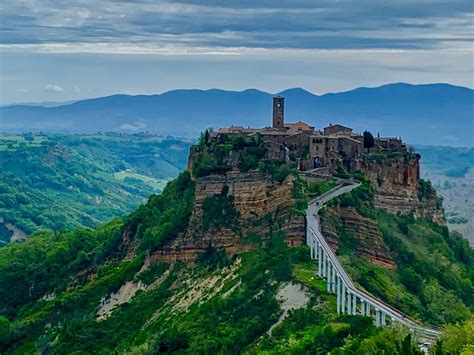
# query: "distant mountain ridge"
{"type": "Point", "coordinates": [434, 114]}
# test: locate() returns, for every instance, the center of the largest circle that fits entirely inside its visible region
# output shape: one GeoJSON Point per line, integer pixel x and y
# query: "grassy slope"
{"type": "Point", "coordinates": [66, 181]}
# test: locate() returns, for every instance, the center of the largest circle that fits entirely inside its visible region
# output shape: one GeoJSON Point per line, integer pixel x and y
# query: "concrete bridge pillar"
{"type": "Point", "coordinates": [354, 304]}
{"type": "Point", "coordinates": [324, 263]}
{"type": "Point", "coordinates": [377, 317]}
{"type": "Point", "coordinates": [320, 262]}
{"type": "Point", "coordinates": [343, 298]}
{"type": "Point", "coordinates": [338, 294]}
{"type": "Point", "coordinates": [333, 279]}
{"type": "Point", "coordinates": [328, 276]}
{"type": "Point", "coordinates": [349, 302]}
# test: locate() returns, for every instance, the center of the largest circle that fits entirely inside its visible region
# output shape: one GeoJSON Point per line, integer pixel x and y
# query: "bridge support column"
{"type": "Point", "coordinates": [343, 298]}
{"type": "Point", "coordinates": [328, 276]}
{"type": "Point", "coordinates": [334, 276]}
{"type": "Point", "coordinates": [383, 322]}
{"type": "Point", "coordinates": [338, 295]}
{"type": "Point", "coordinates": [324, 264]}
{"type": "Point", "coordinates": [367, 309]}
{"type": "Point", "coordinates": [362, 307]}
{"type": "Point", "coordinates": [320, 262]}
{"type": "Point", "coordinates": [349, 302]}
{"type": "Point", "coordinates": [377, 317]}
{"type": "Point", "coordinates": [354, 304]}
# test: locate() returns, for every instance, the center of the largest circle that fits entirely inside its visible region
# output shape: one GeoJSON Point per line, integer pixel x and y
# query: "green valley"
{"type": "Point", "coordinates": [56, 181]}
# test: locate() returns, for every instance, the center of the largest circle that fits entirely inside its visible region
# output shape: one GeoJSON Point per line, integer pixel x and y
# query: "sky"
{"type": "Point", "coordinates": [57, 50]}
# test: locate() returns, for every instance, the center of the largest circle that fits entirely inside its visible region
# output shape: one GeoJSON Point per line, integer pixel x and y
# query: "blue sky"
{"type": "Point", "coordinates": [54, 50]}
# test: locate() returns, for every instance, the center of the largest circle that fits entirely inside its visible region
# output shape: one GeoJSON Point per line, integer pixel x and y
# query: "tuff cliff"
{"type": "Point", "coordinates": [259, 204]}
{"type": "Point", "coordinates": [398, 188]}
{"type": "Point", "coordinates": [338, 224]}
{"type": "Point", "coordinates": [241, 194]}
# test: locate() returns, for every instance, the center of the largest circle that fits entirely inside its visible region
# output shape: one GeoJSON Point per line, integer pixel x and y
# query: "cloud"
{"type": "Point", "coordinates": [297, 24]}
{"type": "Point", "coordinates": [53, 88]}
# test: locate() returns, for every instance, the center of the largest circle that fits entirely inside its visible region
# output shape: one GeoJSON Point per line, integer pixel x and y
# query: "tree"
{"type": "Point", "coordinates": [369, 140]}
{"type": "Point", "coordinates": [4, 330]}
{"type": "Point", "coordinates": [459, 338]}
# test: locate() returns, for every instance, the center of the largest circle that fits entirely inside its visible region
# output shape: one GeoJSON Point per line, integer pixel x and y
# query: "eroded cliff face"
{"type": "Point", "coordinates": [263, 206]}
{"type": "Point", "coordinates": [396, 184]}
{"type": "Point", "coordinates": [344, 222]}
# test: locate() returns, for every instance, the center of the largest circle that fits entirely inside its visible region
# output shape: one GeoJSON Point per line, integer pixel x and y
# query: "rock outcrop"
{"type": "Point", "coordinates": [339, 222]}
{"type": "Point", "coordinates": [264, 206]}
{"type": "Point", "coordinates": [396, 184]}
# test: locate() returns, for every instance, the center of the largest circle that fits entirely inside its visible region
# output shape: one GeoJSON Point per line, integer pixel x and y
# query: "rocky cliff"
{"type": "Point", "coordinates": [344, 222]}
{"type": "Point", "coordinates": [396, 184]}
{"type": "Point", "coordinates": [263, 206]}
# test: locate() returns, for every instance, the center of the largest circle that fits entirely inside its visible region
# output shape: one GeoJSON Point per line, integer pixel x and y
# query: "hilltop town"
{"type": "Point", "coordinates": [331, 147]}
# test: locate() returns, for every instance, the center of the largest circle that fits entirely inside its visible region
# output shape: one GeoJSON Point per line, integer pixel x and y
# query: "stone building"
{"type": "Point", "coordinates": [333, 150]}
{"type": "Point", "coordinates": [337, 129]}
{"type": "Point", "coordinates": [390, 144]}
{"type": "Point", "coordinates": [336, 145]}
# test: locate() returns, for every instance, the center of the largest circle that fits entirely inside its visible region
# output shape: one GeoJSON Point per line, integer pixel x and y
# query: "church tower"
{"type": "Point", "coordinates": [278, 112]}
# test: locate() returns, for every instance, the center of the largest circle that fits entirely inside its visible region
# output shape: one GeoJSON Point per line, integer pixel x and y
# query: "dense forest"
{"type": "Point", "coordinates": [63, 292]}
{"type": "Point", "coordinates": [61, 182]}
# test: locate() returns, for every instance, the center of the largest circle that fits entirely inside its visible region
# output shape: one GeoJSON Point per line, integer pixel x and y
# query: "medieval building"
{"type": "Point", "coordinates": [331, 147]}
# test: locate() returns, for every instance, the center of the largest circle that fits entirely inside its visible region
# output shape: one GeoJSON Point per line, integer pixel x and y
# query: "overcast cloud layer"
{"type": "Point", "coordinates": [240, 32]}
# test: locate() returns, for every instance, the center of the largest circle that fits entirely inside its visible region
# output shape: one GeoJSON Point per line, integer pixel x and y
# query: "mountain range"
{"type": "Point", "coordinates": [431, 114]}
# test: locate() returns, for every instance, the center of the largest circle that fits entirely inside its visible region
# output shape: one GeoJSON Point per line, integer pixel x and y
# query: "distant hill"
{"type": "Point", "coordinates": [434, 114]}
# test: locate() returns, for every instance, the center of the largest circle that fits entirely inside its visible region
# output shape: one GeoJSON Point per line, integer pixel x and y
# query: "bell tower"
{"type": "Point", "coordinates": [278, 112]}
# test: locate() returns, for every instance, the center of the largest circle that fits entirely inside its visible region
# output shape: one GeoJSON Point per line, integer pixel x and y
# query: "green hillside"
{"type": "Point", "coordinates": [67, 292]}
{"type": "Point", "coordinates": [65, 181]}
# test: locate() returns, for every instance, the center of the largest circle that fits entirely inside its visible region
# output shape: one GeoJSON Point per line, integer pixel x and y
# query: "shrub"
{"type": "Point", "coordinates": [426, 190]}
{"type": "Point", "coordinates": [219, 211]}
{"type": "Point", "coordinates": [213, 258]}
{"type": "Point", "coordinates": [276, 171]}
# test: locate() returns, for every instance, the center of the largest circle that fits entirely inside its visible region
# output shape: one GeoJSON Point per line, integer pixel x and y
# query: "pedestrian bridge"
{"type": "Point", "coordinates": [350, 299]}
